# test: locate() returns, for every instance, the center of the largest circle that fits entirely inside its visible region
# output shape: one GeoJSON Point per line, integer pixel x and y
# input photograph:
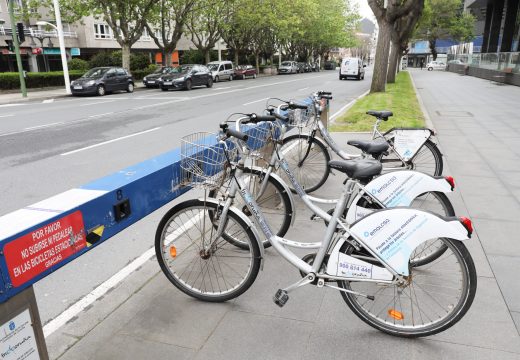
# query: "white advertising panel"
{"type": "Point", "coordinates": [407, 142]}
{"type": "Point", "coordinates": [17, 340]}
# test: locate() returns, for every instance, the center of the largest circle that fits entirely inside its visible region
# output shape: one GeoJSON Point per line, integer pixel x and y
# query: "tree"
{"type": "Point", "coordinates": [169, 17]}
{"type": "Point", "coordinates": [126, 18]}
{"type": "Point", "coordinates": [386, 18]}
{"type": "Point", "coordinates": [444, 19]}
{"type": "Point", "coordinates": [205, 25]}
{"type": "Point", "coordinates": [401, 35]}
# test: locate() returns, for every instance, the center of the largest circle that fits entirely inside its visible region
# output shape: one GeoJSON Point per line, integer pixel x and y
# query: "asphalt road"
{"type": "Point", "coordinates": [49, 147]}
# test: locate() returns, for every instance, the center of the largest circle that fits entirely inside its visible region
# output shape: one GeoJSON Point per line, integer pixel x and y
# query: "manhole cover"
{"type": "Point", "coordinates": [454, 113]}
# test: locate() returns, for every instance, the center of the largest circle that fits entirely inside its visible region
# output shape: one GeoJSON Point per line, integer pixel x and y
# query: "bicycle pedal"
{"type": "Point", "coordinates": [281, 297]}
{"type": "Point", "coordinates": [315, 217]}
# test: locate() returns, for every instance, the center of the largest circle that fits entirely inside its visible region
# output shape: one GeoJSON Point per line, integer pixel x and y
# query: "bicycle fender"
{"type": "Point", "coordinates": [398, 188]}
{"type": "Point", "coordinates": [285, 187]}
{"type": "Point", "coordinates": [248, 222]}
{"type": "Point", "coordinates": [393, 234]}
{"type": "Point", "coordinates": [407, 142]}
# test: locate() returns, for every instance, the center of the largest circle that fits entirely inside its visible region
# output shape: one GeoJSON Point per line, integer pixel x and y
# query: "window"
{"type": "Point", "coordinates": [228, 67]}
{"type": "Point", "coordinates": [102, 31]}
{"type": "Point", "coordinates": [145, 35]}
{"type": "Point", "coordinates": [121, 72]}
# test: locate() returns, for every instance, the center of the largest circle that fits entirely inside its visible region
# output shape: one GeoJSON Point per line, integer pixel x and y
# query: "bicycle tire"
{"type": "Point", "coordinates": [179, 235]}
{"type": "Point", "coordinates": [317, 161]}
{"type": "Point", "coordinates": [440, 285]}
{"type": "Point", "coordinates": [279, 221]}
{"type": "Point", "coordinates": [428, 148]}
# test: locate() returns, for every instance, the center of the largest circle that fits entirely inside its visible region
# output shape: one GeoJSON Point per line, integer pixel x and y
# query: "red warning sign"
{"type": "Point", "coordinates": [37, 251]}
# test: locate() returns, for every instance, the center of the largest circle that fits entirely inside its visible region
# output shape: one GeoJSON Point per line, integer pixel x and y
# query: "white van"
{"type": "Point", "coordinates": [221, 70]}
{"type": "Point", "coordinates": [352, 67]}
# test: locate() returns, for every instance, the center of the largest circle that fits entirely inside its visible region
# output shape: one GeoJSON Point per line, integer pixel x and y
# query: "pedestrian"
{"type": "Point", "coordinates": [422, 63]}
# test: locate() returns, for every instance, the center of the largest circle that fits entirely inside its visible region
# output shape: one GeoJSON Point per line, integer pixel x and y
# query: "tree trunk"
{"type": "Point", "coordinates": [125, 50]}
{"type": "Point", "coordinates": [433, 44]}
{"type": "Point", "coordinates": [257, 61]}
{"type": "Point", "coordinates": [392, 66]}
{"type": "Point", "coordinates": [207, 55]}
{"type": "Point", "coordinates": [382, 54]}
{"type": "Point", "coordinates": [236, 57]}
{"type": "Point", "coordinates": [168, 57]}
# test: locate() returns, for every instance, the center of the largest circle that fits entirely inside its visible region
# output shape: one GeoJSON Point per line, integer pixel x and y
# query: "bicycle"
{"type": "Point", "coordinates": [396, 149]}
{"type": "Point", "coordinates": [404, 188]}
{"type": "Point", "coordinates": [194, 250]}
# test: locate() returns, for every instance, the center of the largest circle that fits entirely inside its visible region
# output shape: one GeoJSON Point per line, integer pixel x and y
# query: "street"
{"type": "Point", "coordinates": [51, 146]}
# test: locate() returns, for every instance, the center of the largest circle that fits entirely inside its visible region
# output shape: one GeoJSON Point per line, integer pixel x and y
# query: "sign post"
{"type": "Point", "coordinates": [17, 49]}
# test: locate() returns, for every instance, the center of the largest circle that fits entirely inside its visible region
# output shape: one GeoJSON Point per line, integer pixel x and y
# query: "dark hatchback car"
{"type": "Point", "coordinates": [103, 80]}
{"type": "Point", "coordinates": [244, 71]}
{"type": "Point", "coordinates": [151, 81]}
{"type": "Point", "coordinates": [185, 77]}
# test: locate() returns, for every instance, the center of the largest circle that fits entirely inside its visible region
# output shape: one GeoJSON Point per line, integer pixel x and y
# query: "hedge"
{"type": "Point", "coordinates": [11, 80]}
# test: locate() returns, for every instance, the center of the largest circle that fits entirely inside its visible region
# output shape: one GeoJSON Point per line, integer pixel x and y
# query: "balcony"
{"type": "Point", "coordinates": [39, 33]}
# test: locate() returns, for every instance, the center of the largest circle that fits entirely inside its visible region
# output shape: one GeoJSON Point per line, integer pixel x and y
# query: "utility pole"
{"type": "Point", "coordinates": [17, 49]}
{"type": "Point", "coordinates": [62, 46]}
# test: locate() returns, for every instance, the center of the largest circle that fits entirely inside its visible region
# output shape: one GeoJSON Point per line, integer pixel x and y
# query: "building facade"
{"type": "Point", "coordinates": [40, 50]}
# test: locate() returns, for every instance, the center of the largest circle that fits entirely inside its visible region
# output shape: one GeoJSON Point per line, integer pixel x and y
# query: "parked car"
{"type": "Point", "coordinates": [457, 62]}
{"type": "Point", "coordinates": [185, 77]}
{"type": "Point", "coordinates": [307, 68]}
{"type": "Point", "coordinates": [301, 67]}
{"type": "Point", "coordinates": [315, 67]}
{"type": "Point", "coordinates": [330, 65]}
{"type": "Point", "coordinates": [221, 70]}
{"type": "Point", "coordinates": [435, 65]}
{"type": "Point", "coordinates": [103, 80]}
{"type": "Point", "coordinates": [150, 81]}
{"type": "Point", "coordinates": [288, 67]}
{"type": "Point", "coordinates": [244, 71]}
{"type": "Point", "coordinates": [352, 67]}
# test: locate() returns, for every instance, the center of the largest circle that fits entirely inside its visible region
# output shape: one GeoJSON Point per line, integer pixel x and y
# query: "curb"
{"type": "Point", "coordinates": [346, 107]}
{"type": "Point", "coordinates": [427, 118]}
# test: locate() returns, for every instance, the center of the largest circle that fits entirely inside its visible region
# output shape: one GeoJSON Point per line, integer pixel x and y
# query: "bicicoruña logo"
{"type": "Point", "coordinates": [377, 228]}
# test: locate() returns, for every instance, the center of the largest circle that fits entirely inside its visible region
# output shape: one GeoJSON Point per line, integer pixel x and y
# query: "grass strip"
{"type": "Point", "coordinates": [400, 98]}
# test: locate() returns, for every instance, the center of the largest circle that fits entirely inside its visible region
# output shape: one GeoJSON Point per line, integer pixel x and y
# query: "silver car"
{"type": "Point", "coordinates": [288, 67]}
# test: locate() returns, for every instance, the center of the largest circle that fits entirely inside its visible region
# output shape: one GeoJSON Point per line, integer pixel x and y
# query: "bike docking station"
{"type": "Point", "coordinates": [40, 238]}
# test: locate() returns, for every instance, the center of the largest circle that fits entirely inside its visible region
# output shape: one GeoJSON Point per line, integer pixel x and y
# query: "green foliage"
{"type": "Point", "coordinates": [140, 74]}
{"type": "Point", "coordinates": [399, 97]}
{"type": "Point", "coordinates": [192, 57]}
{"type": "Point", "coordinates": [78, 64]}
{"type": "Point", "coordinates": [138, 61]}
{"type": "Point", "coordinates": [36, 80]}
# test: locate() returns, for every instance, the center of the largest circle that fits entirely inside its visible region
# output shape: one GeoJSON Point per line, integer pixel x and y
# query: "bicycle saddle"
{"type": "Point", "coordinates": [357, 169]}
{"type": "Point", "coordinates": [383, 114]}
{"type": "Point", "coordinates": [369, 147]}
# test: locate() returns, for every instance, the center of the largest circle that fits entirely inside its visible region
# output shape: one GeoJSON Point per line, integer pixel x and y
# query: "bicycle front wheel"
{"type": "Point", "coordinates": [428, 160]}
{"type": "Point", "coordinates": [199, 263]}
{"type": "Point", "coordinates": [308, 158]}
{"type": "Point", "coordinates": [433, 298]}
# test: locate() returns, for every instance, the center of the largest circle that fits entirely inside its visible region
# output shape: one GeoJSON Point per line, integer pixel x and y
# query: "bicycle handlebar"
{"type": "Point", "coordinates": [293, 105]}
{"type": "Point", "coordinates": [239, 135]}
{"type": "Point", "coordinates": [321, 92]}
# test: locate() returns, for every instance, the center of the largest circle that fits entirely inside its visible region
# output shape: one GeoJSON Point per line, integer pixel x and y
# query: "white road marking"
{"type": "Point", "coordinates": [98, 115]}
{"type": "Point", "coordinates": [102, 289]}
{"type": "Point", "coordinates": [98, 102]}
{"type": "Point", "coordinates": [109, 141]}
{"type": "Point", "coordinates": [48, 101]}
{"type": "Point", "coordinates": [305, 88]}
{"type": "Point", "coordinates": [42, 126]}
{"type": "Point", "coordinates": [253, 102]}
{"type": "Point", "coordinates": [8, 115]}
{"type": "Point", "coordinates": [9, 105]}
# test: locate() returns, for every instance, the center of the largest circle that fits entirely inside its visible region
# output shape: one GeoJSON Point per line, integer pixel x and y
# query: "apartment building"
{"type": "Point", "coordinates": [40, 51]}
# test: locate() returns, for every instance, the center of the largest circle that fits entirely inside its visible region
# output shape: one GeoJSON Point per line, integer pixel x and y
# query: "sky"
{"type": "Point", "coordinates": [364, 8]}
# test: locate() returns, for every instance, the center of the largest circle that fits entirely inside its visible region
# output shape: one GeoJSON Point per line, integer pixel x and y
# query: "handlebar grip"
{"type": "Point", "coordinates": [238, 134]}
{"type": "Point", "coordinates": [324, 92]}
{"type": "Point", "coordinates": [260, 118]}
{"type": "Point", "coordinates": [293, 105]}
{"type": "Point", "coordinates": [326, 97]}
{"type": "Point", "coordinates": [281, 117]}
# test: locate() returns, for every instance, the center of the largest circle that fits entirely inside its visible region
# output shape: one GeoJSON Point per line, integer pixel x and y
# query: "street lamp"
{"type": "Point", "coordinates": [59, 29]}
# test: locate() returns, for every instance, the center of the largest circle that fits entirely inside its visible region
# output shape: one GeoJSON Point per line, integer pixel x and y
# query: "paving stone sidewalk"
{"type": "Point", "coordinates": [146, 317]}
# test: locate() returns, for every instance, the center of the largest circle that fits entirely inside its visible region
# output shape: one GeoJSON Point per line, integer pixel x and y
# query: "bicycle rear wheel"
{"type": "Point", "coordinates": [427, 160]}
{"type": "Point", "coordinates": [308, 158]}
{"type": "Point", "coordinates": [434, 298]}
{"type": "Point", "coordinates": [196, 261]}
{"type": "Point", "coordinates": [274, 202]}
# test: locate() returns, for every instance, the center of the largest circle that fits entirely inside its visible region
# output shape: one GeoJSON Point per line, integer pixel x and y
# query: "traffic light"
{"type": "Point", "coordinates": [10, 45]}
{"type": "Point", "coordinates": [21, 34]}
